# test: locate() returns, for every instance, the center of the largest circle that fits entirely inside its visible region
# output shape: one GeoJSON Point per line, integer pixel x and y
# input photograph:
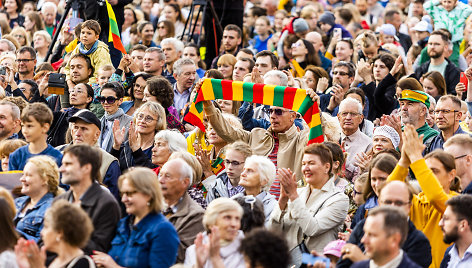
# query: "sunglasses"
{"type": "Point", "coordinates": [277, 111]}
{"type": "Point", "coordinates": [109, 99]}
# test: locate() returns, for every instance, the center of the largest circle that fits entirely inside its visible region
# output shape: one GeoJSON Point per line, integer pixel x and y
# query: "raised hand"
{"type": "Point", "coordinates": [288, 181]}
{"type": "Point", "coordinates": [133, 138]}
{"type": "Point", "coordinates": [412, 144]}
{"type": "Point", "coordinates": [397, 66]}
{"type": "Point", "coordinates": [118, 135]}
{"type": "Point", "coordinates": [204, 158]}
{"type": "Point", "coordinates": [256, 76]}
{"type": "Point", "coordinates": [43, 85]}
{"type": "Point", "coordinates": [362, 160]}
{"type": "Point", "coordinates": [202, 251]}
{"type": "Point", "coordinates": [322, 85]}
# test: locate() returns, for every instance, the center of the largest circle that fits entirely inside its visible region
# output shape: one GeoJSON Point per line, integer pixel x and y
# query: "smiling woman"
{"type": "Point", "coordinates": [39, 184]}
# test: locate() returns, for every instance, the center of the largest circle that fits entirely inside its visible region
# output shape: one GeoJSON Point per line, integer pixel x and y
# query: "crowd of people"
{"type": "Point", "coordinates": [104, 169]}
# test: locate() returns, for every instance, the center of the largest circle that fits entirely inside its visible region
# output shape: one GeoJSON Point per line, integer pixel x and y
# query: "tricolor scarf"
{"type": "Point", "coordinates": [288, 97]}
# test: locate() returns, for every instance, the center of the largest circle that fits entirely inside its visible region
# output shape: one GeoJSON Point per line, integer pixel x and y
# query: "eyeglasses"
{"type": "Point", "coordinates": [249, 199]}
{"type": "Point", "coordinates": [109, 99]}
{"type": "Point", "coordinates": [445, 111]}
{"type": "Point", "coordinates": [146, 118]}
{"type": "Point", "coordinates": [296, 44]}
{"type": "Point", "coordinates": [129, 193]}
{"type": "Point", "coordinates": [340, 73]}
{"type": "Point", "coordinates": [22, 89]}
{"type": "Point", "coordinates": [234, 163]}
{"type": "Point", "coordinates": [354, 192]}
{"type": "Point", "coordinates": [396, 203]}
{"type": "Point", "coordinates": [24, 60]}
{"type": "Point", "coordinates": [460, 156]}
{"type": "Point", "coordinates": [352, 114]}
{"type": "Point", "coordinates": [18, 36]}
{"type": "Point", "coordinates": [277, 111]}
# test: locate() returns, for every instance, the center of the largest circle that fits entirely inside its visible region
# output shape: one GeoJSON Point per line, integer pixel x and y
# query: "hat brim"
{"type": "Point", "coordinates": [74, 119]}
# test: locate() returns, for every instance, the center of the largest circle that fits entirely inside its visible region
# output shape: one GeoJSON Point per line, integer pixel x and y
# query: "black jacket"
{"type": "Point", "coordinates": [405, 41]}
{"type": "Point", "coordinates": [452, 75]}
{"type": "Point", "coordinates": [381, 98]}
{"type": "Point", "coordinates": [406, 263]}
{"type": "Point", "coordinates": [59, 127]}
{"type": "Point", "coordinates": [416, 246]}
{"type": "Point", "coordinates": [104, 211]}
{"type": "Point", "coordinates": [128, 158]}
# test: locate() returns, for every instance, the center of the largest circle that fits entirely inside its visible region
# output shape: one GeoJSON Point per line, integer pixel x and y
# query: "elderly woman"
{"type": "Point", "coordinates": [313, 214]}
{"type": "Point", "coordinates": [144, 238]}
{"type": "Point", "coordinates": [257, 177]}
{"type": "Point", "coordinates": [158, 89]}
{"type": "Point", "coordinates": [385, 137]}
{"type": "Point", "coordinates": [222, 221]}
{"type": "Point", "coordinates": [41, 42]}
{"type": "Point", "coordinates": [67, 228]}
{"type": "Point", "coordinates": [165, 143]}
{"type": "Point", "coordinates": [39, 184]}
{"type": "Point", "coordinates": [137, 150]}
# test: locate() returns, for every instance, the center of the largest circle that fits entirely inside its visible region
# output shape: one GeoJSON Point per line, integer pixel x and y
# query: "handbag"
{"type": "Point", "coordinates": [297, 252]}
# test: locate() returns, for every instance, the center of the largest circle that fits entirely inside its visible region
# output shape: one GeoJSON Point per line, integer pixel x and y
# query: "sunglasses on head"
{"type": "Point", "coordinates": [109, 99]}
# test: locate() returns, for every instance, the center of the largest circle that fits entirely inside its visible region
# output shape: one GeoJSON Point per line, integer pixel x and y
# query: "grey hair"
{"type": "Point", "coordinates": [180, 63]}
{"type": "Point", "coordinates": [353, 101]}
{"type": "Point", "coordinates": [279, 74]}
{"type": "Point", "coordinates": [175, 140]}
{"type": "Point", "coordinates": [186, 170]}
{"type": "Point", "coordinates": [158, 50]}
{"type": "Point", "coordinates": [15, 110]}
{"type": "Point", "coordinates": [218, 206]}
{"type": "Point", "coordinates": [178, 45]}
{"type": "Point", "coordinates": [265, 168]}
{"type": "Point", "coordinates": [11, 46]}
{"type": "Point", "coordinates": [48, 4]}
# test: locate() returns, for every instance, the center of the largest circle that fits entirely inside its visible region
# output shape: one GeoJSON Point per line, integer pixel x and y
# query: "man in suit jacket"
{"type": "Point", "coordinates": [181, 210]}
{"type": "Point", "coordinates": [385, 231]}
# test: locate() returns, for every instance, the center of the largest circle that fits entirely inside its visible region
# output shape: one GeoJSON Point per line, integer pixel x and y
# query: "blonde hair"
{"type": "Point", "coordinates": [241, 147]}
{"type": "Point", "coordinates": [23, 32]}
{"type": "Point", "coordinates": [369, 39]}
{"type": "Point", "coordinates": [48, 171]}
{"type": "Point", "coordinates": [44, 34]}
{"type": "Point", "coordinates": [155, 109]}
{"type": "Point", "coordinates": [145, 181]}
{"type": "Point", "coordinates": [107, 67]}
{"type": "Point", "coordinates": [227, 59]}
{"type": "Point", "coordinates": [218, 206]}
{"type": "Point", "coordinates": [9, 146]}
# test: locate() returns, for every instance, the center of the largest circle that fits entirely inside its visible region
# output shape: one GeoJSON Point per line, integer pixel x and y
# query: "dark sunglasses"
{"type": "Point", "coordinates": [109, 99]}
{"type": "Point", "coordinates": [277, 111]}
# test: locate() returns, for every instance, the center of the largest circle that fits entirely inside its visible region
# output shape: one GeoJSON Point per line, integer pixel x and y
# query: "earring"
{"type": "Point", "coordinates": [58, 239]}
{"type": "Point", "coordinates": [148, 204]}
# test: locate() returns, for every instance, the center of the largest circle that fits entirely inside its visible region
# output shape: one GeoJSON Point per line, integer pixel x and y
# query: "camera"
{"type": "Point", "coordinates": [56, 83]}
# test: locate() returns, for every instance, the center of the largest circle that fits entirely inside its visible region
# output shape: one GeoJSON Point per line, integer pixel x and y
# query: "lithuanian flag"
{"type": "Point", "coordinates": [288, 97]}
{"type": "Point", "coordinates": [114, 32]}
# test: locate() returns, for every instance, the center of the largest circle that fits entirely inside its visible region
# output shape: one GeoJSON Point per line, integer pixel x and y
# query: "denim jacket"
{"type": "Point", "coordinates": [153, 242]}
{"type": "Point", "coordinates": [31, 224]}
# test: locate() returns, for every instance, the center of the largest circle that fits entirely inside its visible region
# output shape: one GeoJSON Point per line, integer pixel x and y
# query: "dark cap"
{"type": "Point", "coordinates": [86, 116]}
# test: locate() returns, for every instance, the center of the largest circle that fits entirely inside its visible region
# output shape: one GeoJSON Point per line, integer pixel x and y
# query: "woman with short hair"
{"type": "Point", "coordinates": [144, 238]}
{"type": "Point", "coordinates": [67, 228]}
{"type": "Point", "coordinates": [148, 120]}
{"type": "Point", "coordinates": [222, 221]}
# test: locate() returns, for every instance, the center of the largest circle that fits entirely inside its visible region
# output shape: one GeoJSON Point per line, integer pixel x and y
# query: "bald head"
{"type": "Point", "coordinates": [315, 39]}
{"type": "Point", "coordinates": [396, 193]}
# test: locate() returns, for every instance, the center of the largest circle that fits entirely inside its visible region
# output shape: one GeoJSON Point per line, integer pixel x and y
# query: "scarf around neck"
{"type": "Point", "coordinates": [86, 52]}
{"type": "Point", "coordinates": [114, 116]}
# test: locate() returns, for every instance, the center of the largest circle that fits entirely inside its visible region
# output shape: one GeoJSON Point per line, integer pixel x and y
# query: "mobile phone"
{"type": "Point", "coordinates": [464, 80]}
{"type": "Point", "coordinates": [309, 259]}
{"type": "Point", "coordinates": [3, 70]}
{"type": "Point", "coordinates": [56, 83]}
{"type": "Point", "coordinates": [337, 31]}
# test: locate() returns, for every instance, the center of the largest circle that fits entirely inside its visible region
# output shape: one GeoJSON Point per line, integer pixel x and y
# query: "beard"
{"type": "Point", "coordinates": [434, 54]}
{"type": "Point", "coordinates": [452, 236]}
{"type": "Point", "coordinates": [407, 118]}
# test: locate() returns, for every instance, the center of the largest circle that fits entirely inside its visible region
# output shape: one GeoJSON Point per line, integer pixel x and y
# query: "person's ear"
{"type": "Point", "coordinates": [458, 115]}
{"type": "Point", "coordinates": [327, 167]}
{"type": "Point", "coordinates": [239, 40]}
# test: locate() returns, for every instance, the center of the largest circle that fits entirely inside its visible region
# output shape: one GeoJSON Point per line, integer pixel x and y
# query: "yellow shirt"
{"type": "Point", "coordinates": [427, 207]}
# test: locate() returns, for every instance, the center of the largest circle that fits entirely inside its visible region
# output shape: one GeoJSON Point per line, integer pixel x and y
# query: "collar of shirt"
{"type": "Point", "coordinates": [351, 137]}
{"type": "Point", "coordinates": [395, 262]}
{"type": "Point", "coordinates": [456, 259]}
{"type": "Point", "coordinates": [174, 207]}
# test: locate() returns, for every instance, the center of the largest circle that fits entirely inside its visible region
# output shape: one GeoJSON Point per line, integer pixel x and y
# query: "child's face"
{"type": "Point", "coordinates": [262, 28]}
{"type": "Point", "coordinates": [388, 39]}
{"type": "Point", "coordinates": [448, 4]}
{"type": "Point", "coordinates": [357, 193]}
{"type": "Point", "coordinates": [88, 36]}
{"type": "Point", "coordinates": [5, 160]}
{"type": "Point", "coordinates": [33, 131]}
{"type": "Point", "coordinates": [103, 77]}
